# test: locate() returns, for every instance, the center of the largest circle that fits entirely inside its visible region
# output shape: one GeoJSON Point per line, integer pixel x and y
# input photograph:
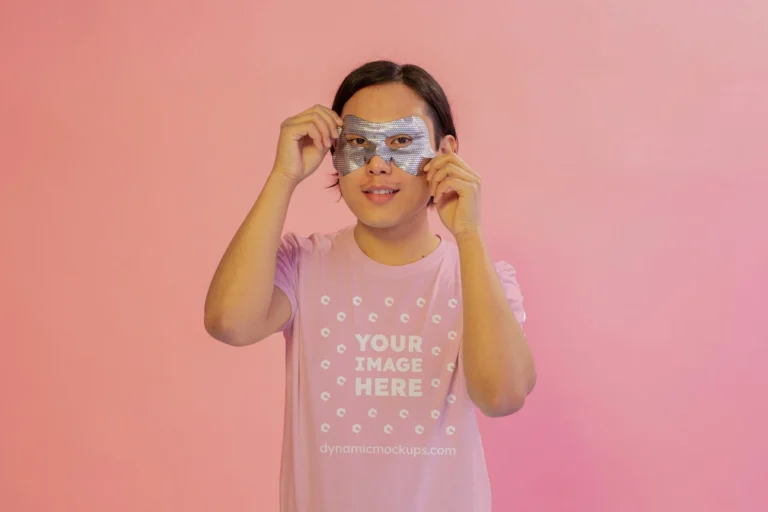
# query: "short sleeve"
{"type": "Point", "coordinates": [508, 277]}
{"type": "Point", "coordinates": [286, 270]}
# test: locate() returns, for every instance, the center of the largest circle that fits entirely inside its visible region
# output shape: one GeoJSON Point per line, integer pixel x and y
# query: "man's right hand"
{"type": "Point", "coordinates": [304, 141]}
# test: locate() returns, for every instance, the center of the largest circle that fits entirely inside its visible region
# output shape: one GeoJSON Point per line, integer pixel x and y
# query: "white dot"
{"type": "Point", "coordinates": [340, 412]}
{"type": "Point", "coordinates": [325, 332]}
{"type": "Point", "coordinates": [421, 302]}
{"type": "Point", "coordinates": [435, 383]}
{"type": "Point", "coordinates": [451, 399]}
{"type": "Point", "coordinates": [341, 348]}
{"type": "Point", "coordinates": [341, 316]}
{"type": "Point", "coordinates": [389, 301]}
{"type": "Point", "coordinates": [419, 429]}
{"type": "Point", "coordinates": [325, 364]}
{"type": "Point", "coordinates": [452, 303]}
{"type": "Point", "coordinates": [403, 413]}
{"type": "Point", "coordinates": [388, 429]}
{"type": "Point", "coordinates": [357, 301]}
{"type": "Point", "coordinates": [451, 367]}
{"type": "Point", "coordinates": [404, 318]}
{"type": "Point", "coordinates": [435, 414]}
{"type": "Point", "coordinates": [436, 351]}
{"type": "Point", "coordinates": [325, 427]}
{"type": "Point", "coordinates": [341, 380]}
{"type": "Point", "coordinates": [325, 300]}
{"type": "Point", "coordinates": [436, 318]}
{"type": "Point", "coordinates": [356, 428]}
{"type": "Point", "coordinates": [450, 430]}
{"type": "Point", "coordinates": [373, 317]}
{"type": "Point", "coordinates": [325, 396]}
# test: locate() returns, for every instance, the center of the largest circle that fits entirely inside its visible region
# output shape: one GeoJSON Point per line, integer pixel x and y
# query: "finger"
{"type": "Point", "coordinates": [330, 122]}
{"type": "Point", "coordinates": [316, 108]}
{"type": "Point", "coordinates": [331, 118]}
{"type": "Point", "coordinates": [321, 109]}
{"type": "Point", "coordinates": [445, 159]}
{"type": "Point", "coordinates": [436, 162]}
{"type": "Point", "coordinates": [445, 187]}
{"type": "Point", "coordinates": [450, 170]}
{"type": "Point", "coordinates": [435, 176]}
{"type": "Point", "coordinates": [308, 129]}
{"type": "Point", "coordinates": [337, 120]}
{"type": "Point", "coordinates": [451, 184]}
{"type": "Point", "coordinates": [321, 123]}
{"type": "Point", "coordinates": [470, 171]}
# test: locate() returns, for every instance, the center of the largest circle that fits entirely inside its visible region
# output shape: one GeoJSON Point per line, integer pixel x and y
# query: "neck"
{"type": "Point", "coordinates": [398, 245]}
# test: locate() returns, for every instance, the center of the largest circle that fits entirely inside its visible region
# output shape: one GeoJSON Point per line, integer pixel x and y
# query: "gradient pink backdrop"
{"type": "Point", "coordinates": [623, 146]}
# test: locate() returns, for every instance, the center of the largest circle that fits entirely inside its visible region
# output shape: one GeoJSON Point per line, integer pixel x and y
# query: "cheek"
{"type": "Point", "coordinates": [348, 182]}
{"type": "Point", "coordinates": [417, 190]}
{"type": "Point", "coordinates": [420, 185]}
{"type": "Point", "coordinates": [350, 186]}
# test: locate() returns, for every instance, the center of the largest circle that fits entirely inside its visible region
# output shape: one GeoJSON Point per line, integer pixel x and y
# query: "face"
{"type": "Point", "coordinates": [380, 160]}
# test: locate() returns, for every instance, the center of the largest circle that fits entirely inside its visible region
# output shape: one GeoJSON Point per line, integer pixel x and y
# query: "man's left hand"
{"type": "Point", "coordinates": [455, 187]}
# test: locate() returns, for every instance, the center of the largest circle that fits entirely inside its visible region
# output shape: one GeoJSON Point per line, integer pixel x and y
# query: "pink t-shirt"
{"type": "Point", "coordinates": [377, 415]}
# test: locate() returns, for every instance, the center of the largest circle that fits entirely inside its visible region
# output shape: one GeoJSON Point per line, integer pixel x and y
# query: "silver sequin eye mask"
{"type": "Point", "coordinates": [352, 155]}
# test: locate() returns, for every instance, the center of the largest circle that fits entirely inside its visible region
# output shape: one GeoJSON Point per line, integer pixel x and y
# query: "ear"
{"type": "Point", "coordinates": [448, 144]}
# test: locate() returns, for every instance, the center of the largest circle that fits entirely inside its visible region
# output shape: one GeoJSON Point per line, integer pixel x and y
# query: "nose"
{"type": "Point", "coordinates": [378, 166]}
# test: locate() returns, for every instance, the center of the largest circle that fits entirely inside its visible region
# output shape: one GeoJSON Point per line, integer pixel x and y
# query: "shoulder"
{"type": "Point", "coordinates": [506, 272]}
{"type": "Point", "coordinates": [314, 244]}
{"type": "Point", "coordinates": [504, 269]}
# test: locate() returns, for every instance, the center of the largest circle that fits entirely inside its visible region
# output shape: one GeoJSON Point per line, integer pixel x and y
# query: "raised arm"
{"type": "Point", "coordinates": [243, 306]}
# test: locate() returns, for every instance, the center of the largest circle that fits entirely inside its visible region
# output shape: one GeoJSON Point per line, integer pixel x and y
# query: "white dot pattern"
{"type": "Point", "coordinates": [373, 413]}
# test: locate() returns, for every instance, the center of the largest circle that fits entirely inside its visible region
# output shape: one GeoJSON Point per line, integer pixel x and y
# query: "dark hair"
{"type": "Point", "coordinates": [420, 81]}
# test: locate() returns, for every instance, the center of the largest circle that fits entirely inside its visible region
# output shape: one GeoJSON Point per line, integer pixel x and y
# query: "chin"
{"type": "Point", "coordinates": [376, 217]}
{"type": "Point", "coordinates": [377, 220]}
{"type": "Point", "coordinates": [379, 223]}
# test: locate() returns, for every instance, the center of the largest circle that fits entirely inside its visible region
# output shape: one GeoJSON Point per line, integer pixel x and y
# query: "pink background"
{"type": "Point", "coordinates": [623, 145]}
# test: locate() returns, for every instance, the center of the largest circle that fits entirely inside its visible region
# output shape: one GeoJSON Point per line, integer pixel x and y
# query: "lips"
{"type": "Point", "coordinates": [380, 194]}
{"type": "Point", "coordinates": [381, 190]}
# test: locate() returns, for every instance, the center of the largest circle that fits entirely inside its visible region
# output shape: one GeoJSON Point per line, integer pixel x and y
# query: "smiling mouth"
{"type": "Point", "coordinates": [382, 192]}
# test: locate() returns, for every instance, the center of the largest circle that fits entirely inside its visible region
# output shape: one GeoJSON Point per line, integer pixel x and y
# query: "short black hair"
{"type": "Point", "coordinates": [418, 79]}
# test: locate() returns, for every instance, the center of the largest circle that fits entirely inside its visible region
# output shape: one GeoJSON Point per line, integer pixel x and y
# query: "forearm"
{"type": "Point", "coordinates": [498, 363]}
{"type": "Point", "coordinates": [241, 289]}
